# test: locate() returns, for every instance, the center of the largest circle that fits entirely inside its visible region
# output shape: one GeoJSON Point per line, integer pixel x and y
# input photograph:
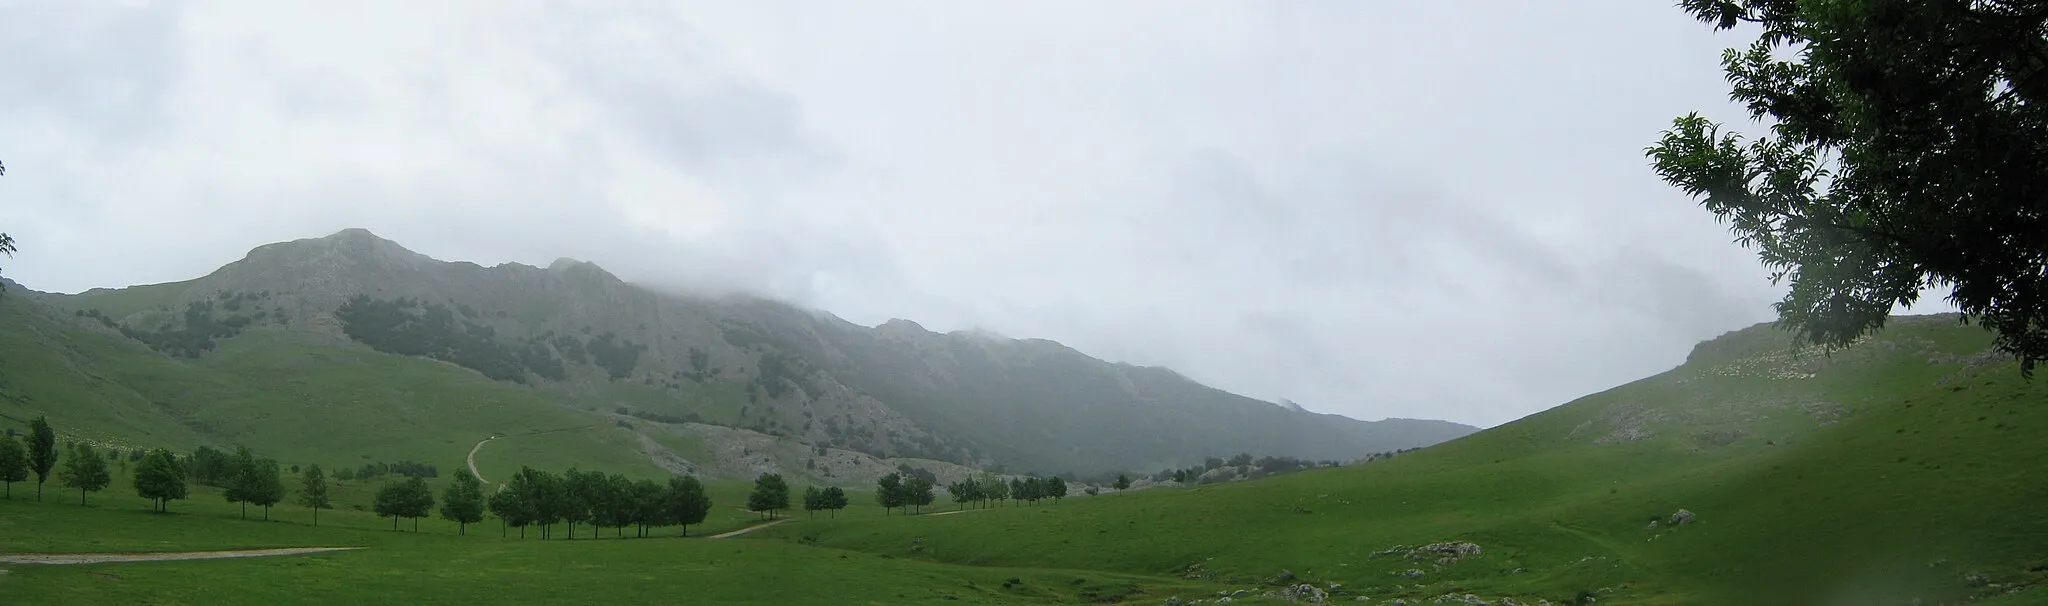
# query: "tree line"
{"type": "Point", "coordinates": [542, 499]}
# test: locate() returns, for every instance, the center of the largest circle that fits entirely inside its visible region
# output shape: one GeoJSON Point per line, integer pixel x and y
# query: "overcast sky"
{"type": "Point", "coordinates": [1408, 209]}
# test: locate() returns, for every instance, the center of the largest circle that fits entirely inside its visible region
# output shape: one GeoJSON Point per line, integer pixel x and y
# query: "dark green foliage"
{"type": "Point", "coordinates": [194, 333]}
{"type": "Point", "coordinates": [408, 498]}
{"type": "Point", "coordinates": [647, 510]}
{"type": "Point", "coordinates": [616, 356]}
{"type": "Point", "coordinates": [313, 491]}
{"type": "Point", "coordinates": [85, 470]}
{"type": "Point", "coordinates": [889, 492]}
{"type": "Point", "coordinates": [917, 493]}
{"type": "Point", "coordinates": [463, 502]}
{"type": "Point", "coordinates": [404, 468]}
{"type": "Point", "coordinates": [408, 327]}
{"type": "Point", "coordinates": [570, 347]}
{"type": "Point", "coordinates": [1906, 151]}
{"type": "Point", "coordinates": [160, 478]}
{"type": "Point", "coordinates": [687, 502]}
{"type": "Point", "coordinates": [1123, 482]}
{"type": "Point", "coordinates": [814, 500]}
{"type": "Point", "coordinates": [700, 364]}
{"type": "Point", "coordinates": [97, 315]}
{"type": "Point", "coordinates": [771, 493]}
{"type": "Point", "coordinates": [13, 462]}
{"type": "Point", "coordinates": [209, 467]}
{"type": "Point", "coordinates": [42, 451]}
{"type": "Point", "coordinates": [253, 481]}
{"type": "Point", "coordinates": [835, 499]}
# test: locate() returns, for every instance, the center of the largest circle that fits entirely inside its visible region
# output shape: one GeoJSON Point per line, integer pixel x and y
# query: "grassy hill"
{"type": "Point", "coordinates": [351, 346]}
{"type": "Point", "coordinates": [1908, 466]}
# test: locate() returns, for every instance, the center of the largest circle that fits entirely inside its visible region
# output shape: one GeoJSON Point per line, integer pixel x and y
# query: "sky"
{"type": "Point", "coordinates": [1379, 209]}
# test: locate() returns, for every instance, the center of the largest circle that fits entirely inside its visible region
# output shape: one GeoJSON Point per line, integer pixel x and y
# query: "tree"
{"type": "Point", "coordinates": [522, 508]}
{"type": "Point", "coordinates": [1904, 153]}
{"type": "Point", "coordinates": [994, 488]}
{"type": "Point", "coordinates": [584, 490]}
{"type": "Point", "coordinates": [266, 485]}
{"type": "Point", "coordinates": [463, 502]}
{"type": "Point", "coordinates": [917, 492]}
{"type": "Point", "coordinates": [85, 470]}
{"type": "Point", "coordinates": [242, 479]}
{"type": "Point", "coordinates": [407, 498]}
{"type": "Point", "coordinates": [964, 491]}
{"type": "Point", "coordinates": [814, 500]}
{"type": "Point", "coordinates": [614, 509]}
{"type": "Point", "coordinates": [687, 502]}
{"type": "Point", "coordinates": [835, 500]}
{"type": "Point", "coordinates": [313, 491]}
{"type": "Point", "coordinates": [42, 451]}
{"type": "Point", "coordinates": [647, 509]}
{"type": "Point", "coordinates": [506, 506]}
{"type": "Point", "coordinates": [160, 478]}
{"type": "Point", "coordinates": [1123, 482]}
{"type": "Point", "coordinates": [13, 462]}
{"type": "Point", "coordinates": [889, 492]}
{"type": "Point", "coordinates": [1021, 489]}
{"type": "Point", "coordinates": [770, 493]}
{"type": "Point", "coordinates": [1055, 488]}
{"type": "Point", "coordinates": [1091, 491]}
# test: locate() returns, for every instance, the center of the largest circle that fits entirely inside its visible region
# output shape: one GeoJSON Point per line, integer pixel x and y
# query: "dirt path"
{"type": "Point", "coordinates": [102, 558]}
{"type": "Point", "coordinates": [472, 458]}
{"type": "Point", "coordinates": [749, 529]}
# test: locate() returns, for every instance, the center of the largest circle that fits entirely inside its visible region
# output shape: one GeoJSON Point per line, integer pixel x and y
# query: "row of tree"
{"type": "Point", "coordinates": [39, 456]}
{"type": "Point", "coordinates": [538, 498]}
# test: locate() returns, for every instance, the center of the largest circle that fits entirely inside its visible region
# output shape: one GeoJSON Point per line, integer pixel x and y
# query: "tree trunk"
{"type": "Point", "coordinates": [522, 531]}
{"type": "Point", "coordinates": [415, 524]}
{"type": "Point", "coordinates": [394, 523]}
{"type": "Point", "coordinates": [463, 529]}
{"type": "Point", "coordinates": [39, 490]}
{"type": "Point", "coordinates": [316, 516]}
{"type": "Point", "coordinates": [81, 497]}
{"type": "Point", "coordinates": [245, 511]}
{"type": "Point", "coordinates": [266, 513]}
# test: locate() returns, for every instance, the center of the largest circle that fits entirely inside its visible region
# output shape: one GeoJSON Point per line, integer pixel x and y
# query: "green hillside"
{"type": "Point", "coordinates": [1902, 468]}
{"type": "Point", "coordinates": [351, 345]}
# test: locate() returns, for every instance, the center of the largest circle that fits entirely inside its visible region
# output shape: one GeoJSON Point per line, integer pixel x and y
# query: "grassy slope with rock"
{"type": "Point", "coordinates": [412, 356]}
{"type": "Point", "coordinates": [1905, 467]}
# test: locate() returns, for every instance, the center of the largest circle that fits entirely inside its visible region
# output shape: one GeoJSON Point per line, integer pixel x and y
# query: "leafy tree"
{"type": "Point", "coordinates": [1091, 491]}
{"type": "Point", "coordinates": [889, 492]}
{"type": "Point", "coordinates": [687, 502]}
{"type": "Point", "coordinates": [548, 497]}
{"type": "Point", "coordinates": [313, 491]}
{"type": "Point", "coordinates": [85, 470]}
{"type": "Point", "coordinates": [814, 500]}
{"type": "Point", "coordinates": [408, 498]}
{"type": "Point", "coordinates": [614, 507]}
{"type": "Point", "coordinates": [770, 494]}
{"type": "Point", "coordinates": [1022, 489]}
{"type": "Point", "coordinates": [1904, 153]}
{"type": "Point", "coordinates": [647, 510]}
{"type": "Point", "coordinates": [42, 451]}
{"type": "Point", "coordinates": [835, 500]}
{"type": "Point", "coordinates": [584, 492]}
{"type": "Point", "coordinates": [917, 492]}
{"type": "Point", "coordinates": [463, 502]}
{"type": "Point", "coordinates": [994, 488]}
{"type": "Point", "coordinates": [13, 462]}
{"type": "Point", "coordinates": [266, 485]}
{"type": "Point", "coordinates": [1054, 488]}
{"type": "Point", "coordinates": [160, 478]}
{"type": "Point", "coordinates": [505, 504]}
{"type": "Point", "coordinates": [960, 492]}
{"type": "Point", "coordinates": [522, 507]}
{"type": "Point", "coordinates": [242, 482]}
{"type": "Point", "coordinates": [1123, 482]}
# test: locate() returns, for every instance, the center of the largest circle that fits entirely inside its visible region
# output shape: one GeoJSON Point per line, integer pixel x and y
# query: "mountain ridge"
{"type": "Point", "coordinates": [741, 360]}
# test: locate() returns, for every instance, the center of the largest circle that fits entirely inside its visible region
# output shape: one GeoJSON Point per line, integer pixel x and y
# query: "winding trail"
{"type": "Point", "coordinates": [472, 458]}
{"type": "Point", "coordinates": [480, 444]}
{"type": "Point", "coordinates": [103, 558]}
{"type": "Point", "coordinates": [749, 529]}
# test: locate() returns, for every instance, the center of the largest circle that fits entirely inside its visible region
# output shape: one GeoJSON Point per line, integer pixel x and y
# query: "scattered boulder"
{"type": "Point", "coordinates": [1283, 578]}
{"type": "Point", "coordinates": [1682, 517]}
{"type": "Point", "coordinates": [1414, 573]}
{"type": "Point", "coordinates": [1304, 593]}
